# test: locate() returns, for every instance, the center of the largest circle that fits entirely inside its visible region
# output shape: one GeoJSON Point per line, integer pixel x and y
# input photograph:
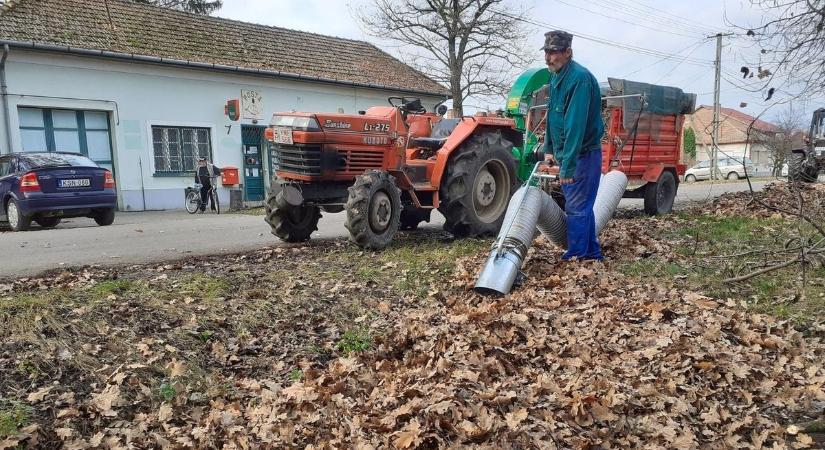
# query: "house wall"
{"type": "Point", "coordinates": [139, 95]}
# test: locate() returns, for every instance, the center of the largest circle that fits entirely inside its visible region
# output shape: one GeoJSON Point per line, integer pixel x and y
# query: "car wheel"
{"type": "Point", "coordinates": [105, 217]}
{"type": "Point", "coordinates": [17, 220]}
{"type": "Point", "coordinates": [48, 222]}
{"type": "Point", "coordinates": [690, 178]}
{"type": "Point", "coordinates": [733, 176]}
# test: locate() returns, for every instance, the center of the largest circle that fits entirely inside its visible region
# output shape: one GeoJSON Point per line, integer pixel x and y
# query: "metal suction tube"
{"type": "Point", "coordinates": [532, 208]}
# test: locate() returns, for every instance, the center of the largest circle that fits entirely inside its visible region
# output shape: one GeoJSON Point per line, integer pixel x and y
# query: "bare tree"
{"type": "Point", "coordinates": [781, 143]}
{"type": "Point", "coordinates": [474, 47]}
{"type": "Point", "coordinates": [204, 7]}
{"type": "Point", "coordinates": [792, 42]}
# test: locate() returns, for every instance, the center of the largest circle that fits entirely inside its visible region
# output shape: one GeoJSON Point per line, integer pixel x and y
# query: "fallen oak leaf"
{"type": "Point", "coordinates": [409, 436]}
{"type": "Point", "coordinates": [38, 396]}
{"type": "Point", "coordinates": [164, 413]}
{"type": "Point", "coordinates": [515, 418]}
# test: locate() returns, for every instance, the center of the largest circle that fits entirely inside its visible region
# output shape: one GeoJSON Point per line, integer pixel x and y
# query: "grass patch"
{"type": "Point", "coordinates": [23, 313]}
{"type": "Point", "coordinates": [207, 287]}
{"type": "Point", "coordinates": [707, 249]}
{"type": "Point", "coordinates": [117, 287]}
{"type": "Point", "coordinates": [13, 416]}
{"type": "Point", "coordinates": [354, 341]}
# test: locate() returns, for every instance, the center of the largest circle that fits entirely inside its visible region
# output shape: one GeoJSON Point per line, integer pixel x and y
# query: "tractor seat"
{"type": "Point", "coordinates": [441, 132]}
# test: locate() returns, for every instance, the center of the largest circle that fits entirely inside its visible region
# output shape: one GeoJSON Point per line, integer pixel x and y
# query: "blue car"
{"type": "Point", "coordinates": [46, 187]}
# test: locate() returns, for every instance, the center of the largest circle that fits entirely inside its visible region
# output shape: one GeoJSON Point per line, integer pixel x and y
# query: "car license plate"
{"type": "Point", "coordinates": [77, 182]}
{"type": "Point", "coordinates": [283, 135]}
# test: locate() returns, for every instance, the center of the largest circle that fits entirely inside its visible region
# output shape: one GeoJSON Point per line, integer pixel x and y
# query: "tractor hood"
{"type": "Point", "coordinates": [376, 120]}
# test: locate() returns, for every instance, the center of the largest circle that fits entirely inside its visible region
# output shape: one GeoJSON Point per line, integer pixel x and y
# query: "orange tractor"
{"type": "Point", "coordinates": [389, 167]}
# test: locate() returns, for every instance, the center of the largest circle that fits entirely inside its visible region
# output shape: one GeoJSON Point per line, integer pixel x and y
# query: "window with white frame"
{"type": "Point", "coordinates": [177, 149]}
{"type": "Point", "coordinates": [66, 130]}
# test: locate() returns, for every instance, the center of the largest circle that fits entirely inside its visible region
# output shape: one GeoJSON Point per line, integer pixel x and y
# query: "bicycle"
{"type": "Point", "coordinates": [193, 198]}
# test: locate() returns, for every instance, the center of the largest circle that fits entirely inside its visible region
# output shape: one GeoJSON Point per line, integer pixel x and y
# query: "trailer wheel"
{"type": "Point", "coordinates": [373, 210]}
{"type": "Point", "coordinates": [659, 196]}
{"type": "Point", "coordinates": [294, 224]}
{"type": "Point", "coordinates": [478, 183]}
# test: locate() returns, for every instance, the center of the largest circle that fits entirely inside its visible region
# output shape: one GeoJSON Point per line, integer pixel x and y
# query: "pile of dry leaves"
{"type": "Point", "coordinates": [777, 199]}
{"type": "Point", "coordinates": [577, 357]}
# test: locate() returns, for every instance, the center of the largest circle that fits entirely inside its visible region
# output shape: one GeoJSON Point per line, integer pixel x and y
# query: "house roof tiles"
{"type": "Point", "coordinates": [132, 28]}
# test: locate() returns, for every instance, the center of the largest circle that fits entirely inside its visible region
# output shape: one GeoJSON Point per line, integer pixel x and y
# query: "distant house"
{"type": "Point", "coordinates": [734, 140]}
{"type": "Point", "coordinates": [142, 90]}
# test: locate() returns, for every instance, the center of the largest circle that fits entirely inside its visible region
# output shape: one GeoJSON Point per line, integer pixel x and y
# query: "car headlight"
{"type": "Point", "coordinates": [296, 123]}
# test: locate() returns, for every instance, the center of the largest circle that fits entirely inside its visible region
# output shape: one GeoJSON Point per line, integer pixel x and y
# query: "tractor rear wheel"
{"type": "Point", "coordinates": [799, 169]}
{"type": "Point", "coordinates": [293, 224]}
{"type": "Point", "coordinates": [477, 186]}
{"type": "Point", "coordinates": [373, 210]}
{"type": "Point", "coordinates": [659, 196]}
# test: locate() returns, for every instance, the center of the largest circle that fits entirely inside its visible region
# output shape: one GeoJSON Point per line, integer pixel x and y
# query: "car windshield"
{"type": "Point", "coordinates": [36, 160]}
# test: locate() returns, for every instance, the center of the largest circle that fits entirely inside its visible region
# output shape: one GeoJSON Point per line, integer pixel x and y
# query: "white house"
{"type": "Point", "coordinates": [142, 90]}
{"type": "Point", "coordinates": [740, 136]}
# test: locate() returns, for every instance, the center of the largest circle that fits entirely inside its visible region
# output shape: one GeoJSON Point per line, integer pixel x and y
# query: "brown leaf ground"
{"type": "Point", "coordinates": [324, 346]}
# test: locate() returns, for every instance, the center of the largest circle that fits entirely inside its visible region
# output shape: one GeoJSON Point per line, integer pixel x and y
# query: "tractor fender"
{"type": "Point", "coordinates": [466, 128]}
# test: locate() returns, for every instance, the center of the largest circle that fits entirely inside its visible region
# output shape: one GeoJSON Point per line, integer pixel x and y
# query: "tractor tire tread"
{"type": "Point", "coordinates": [283, 228]}
{"type": "Point", "coordinates": [358, 204]}
{"type": "Point", "coordinates": [456, 188]}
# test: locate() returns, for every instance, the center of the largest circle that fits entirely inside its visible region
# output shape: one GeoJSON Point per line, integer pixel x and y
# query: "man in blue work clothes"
{"type": "Point", "coordinates": [574, 133]}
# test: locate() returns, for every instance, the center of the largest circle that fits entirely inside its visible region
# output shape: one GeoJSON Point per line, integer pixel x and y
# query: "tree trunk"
{"type": "Point", "coordinates": [456, 92]}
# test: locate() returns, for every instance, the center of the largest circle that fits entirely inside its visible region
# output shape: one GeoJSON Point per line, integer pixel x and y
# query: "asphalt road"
{"type": "Point", "coordinates": [139, 237]}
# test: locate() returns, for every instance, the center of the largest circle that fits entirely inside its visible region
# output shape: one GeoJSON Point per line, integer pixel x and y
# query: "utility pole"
{"type": "Point", "coordinates": [714, 158]}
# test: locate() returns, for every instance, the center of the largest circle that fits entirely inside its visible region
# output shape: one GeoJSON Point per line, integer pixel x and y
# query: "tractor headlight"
{"type": "Point", "coordinates": [296, 123]}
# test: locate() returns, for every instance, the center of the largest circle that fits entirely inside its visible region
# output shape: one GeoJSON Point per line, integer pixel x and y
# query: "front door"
{"type": "Point", "coordinates": [253, 173]}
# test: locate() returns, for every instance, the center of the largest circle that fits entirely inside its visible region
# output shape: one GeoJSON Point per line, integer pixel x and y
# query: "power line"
{"type": "Point", "coordinates": [660, 60]}
{"type": "Point", "coordinates": [637, 23]}
{"type": "Point", "coordinates": [677, 65]}
{"type": "Point", "coordinates": [611, 43]}
{"type": "Point", "coordinates": [668, 14]}
{"type": "Point", "coordinates": [638, 13]}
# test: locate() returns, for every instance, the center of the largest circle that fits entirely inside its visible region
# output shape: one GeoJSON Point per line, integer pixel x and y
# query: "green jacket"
{"type": "Point", "coordinates": [574, 120]}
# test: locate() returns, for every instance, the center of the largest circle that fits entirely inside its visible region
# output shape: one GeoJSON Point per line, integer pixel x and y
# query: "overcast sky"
{"type": "Point", "coordinates": [669, 28]}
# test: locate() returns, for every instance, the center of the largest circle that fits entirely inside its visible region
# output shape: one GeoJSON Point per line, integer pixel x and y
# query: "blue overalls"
{"type": "Point", "coordinates": [574, 133]}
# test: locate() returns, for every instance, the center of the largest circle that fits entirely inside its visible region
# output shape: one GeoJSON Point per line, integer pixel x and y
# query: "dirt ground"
{"type": "Point", "coordinates": [326, 346]}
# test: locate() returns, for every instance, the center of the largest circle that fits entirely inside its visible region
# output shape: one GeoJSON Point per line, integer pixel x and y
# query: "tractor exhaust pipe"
{"type": "Point", "coordinates": [532, 208]}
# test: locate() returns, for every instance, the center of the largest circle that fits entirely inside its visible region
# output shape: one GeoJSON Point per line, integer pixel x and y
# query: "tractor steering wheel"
{"type": "Point", "coordinates": [407, 104]}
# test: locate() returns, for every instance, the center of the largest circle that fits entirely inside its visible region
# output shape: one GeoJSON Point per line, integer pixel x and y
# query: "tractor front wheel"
{"type": "Point", "coordinates": [293, 224]}
{"type": "Point", "coordinates": [373, 210]}
{"type": "Point", "coordinates": [479, 181]}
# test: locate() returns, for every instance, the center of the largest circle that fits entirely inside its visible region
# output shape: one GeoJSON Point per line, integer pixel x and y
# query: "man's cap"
{"type": "Point", "coordinates": [201, 158]}
{"type": "Point", "coordinates": [557, 41]}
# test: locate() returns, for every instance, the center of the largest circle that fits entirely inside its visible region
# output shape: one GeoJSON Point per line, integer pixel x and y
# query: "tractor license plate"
{"type": "Point", "coordinates": [283, 135]}
{"type": "Point", "coordinates": [79, 182]}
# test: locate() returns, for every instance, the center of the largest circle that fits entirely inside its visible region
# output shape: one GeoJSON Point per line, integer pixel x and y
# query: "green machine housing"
{"type": "Point", "coordinates": [527, 91]}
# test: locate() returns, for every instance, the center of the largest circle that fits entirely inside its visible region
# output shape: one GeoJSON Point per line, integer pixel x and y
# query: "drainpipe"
{"type": "Point", "coordinates": [5, 95]}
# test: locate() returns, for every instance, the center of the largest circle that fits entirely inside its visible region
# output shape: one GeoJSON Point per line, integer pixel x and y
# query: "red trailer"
{"type": "Point", "coordinates": [643, 137]}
